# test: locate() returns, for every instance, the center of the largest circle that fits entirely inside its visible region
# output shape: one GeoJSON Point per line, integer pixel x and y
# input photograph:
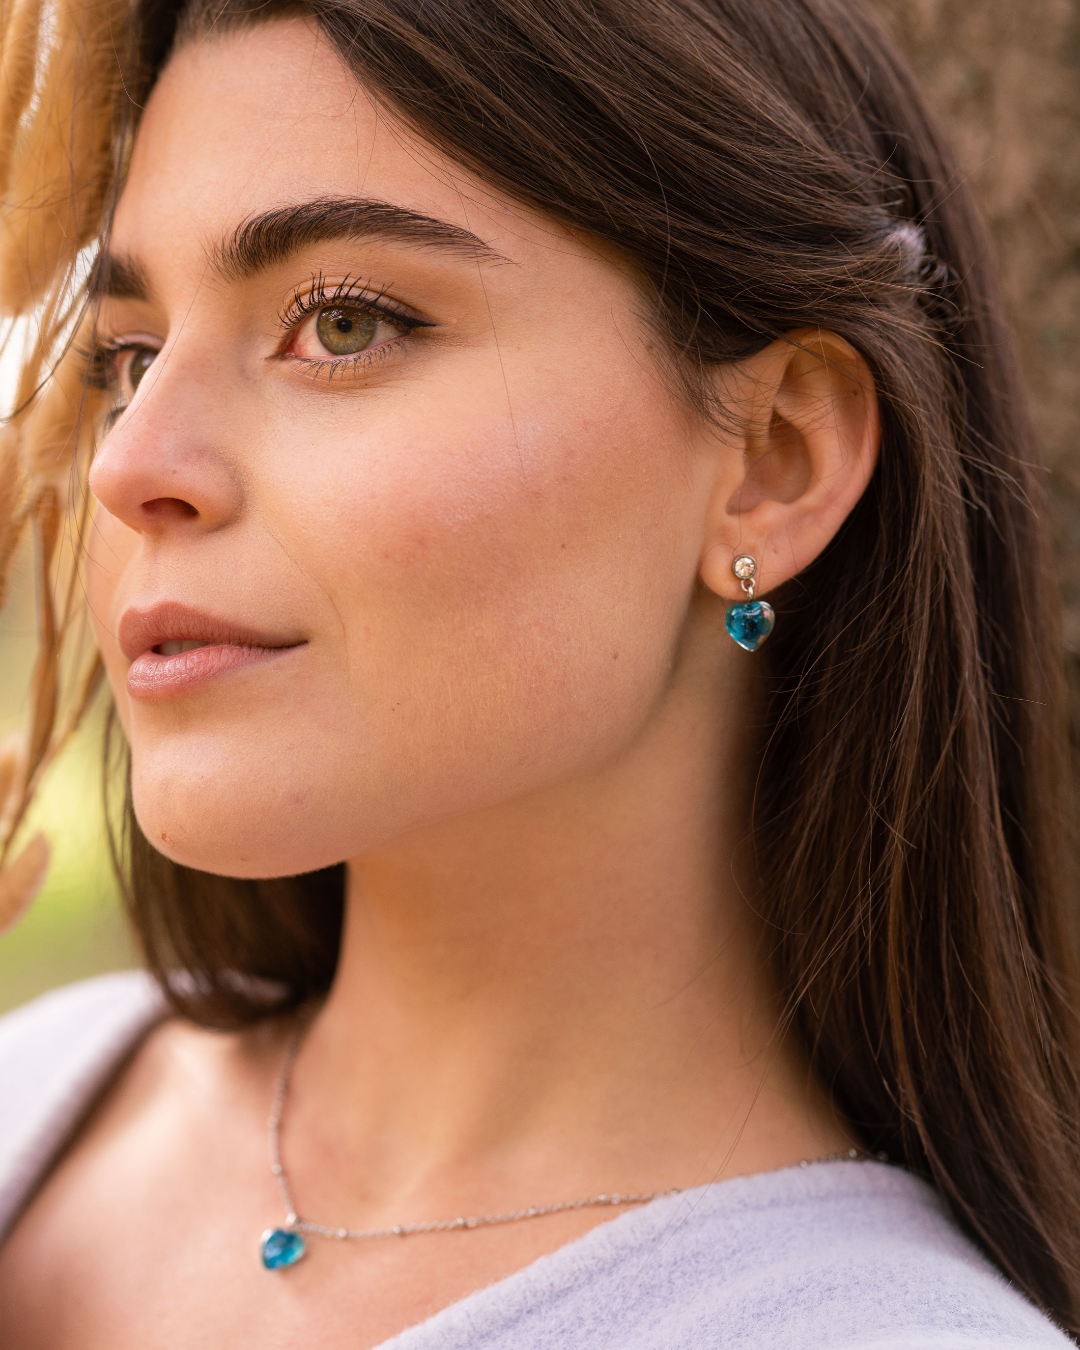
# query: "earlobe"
{"type": "Point", "coordinates": [798, 452]}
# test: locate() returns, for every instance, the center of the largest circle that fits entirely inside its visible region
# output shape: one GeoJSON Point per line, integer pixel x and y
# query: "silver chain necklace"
{"type": "Point", "coordinates": [282, 1247]}
{"type": "Point", "coordinates": [285, 1246]}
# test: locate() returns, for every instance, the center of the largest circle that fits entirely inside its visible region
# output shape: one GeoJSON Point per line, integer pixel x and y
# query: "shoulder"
{"type": "Point", "coordinates": [842, 1256]}
{"type": "Point", "coordinates": [56, 1054]}
{"type": "Point", "coordinates": [847, 1254]}
{"type": "Point", "coordinates": [69, 1032]}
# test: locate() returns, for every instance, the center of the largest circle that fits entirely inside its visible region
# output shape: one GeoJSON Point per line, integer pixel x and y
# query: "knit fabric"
{"type": "Point", "coordinates": [56, 1055]}
{"type": "Point", "coordinates": [834, 1256]}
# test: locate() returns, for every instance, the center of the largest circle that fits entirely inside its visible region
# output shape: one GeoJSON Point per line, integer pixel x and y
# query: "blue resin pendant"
{"type": "Point", "coordinates": [281, 1247]}
{"type": "Point", "coordinates": [750, 623]}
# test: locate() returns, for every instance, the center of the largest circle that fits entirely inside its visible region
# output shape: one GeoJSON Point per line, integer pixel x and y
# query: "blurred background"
{"type": "Point", "coordinates": [1003, 77]}
{"type": "Point", "coordinates": [75, 927]}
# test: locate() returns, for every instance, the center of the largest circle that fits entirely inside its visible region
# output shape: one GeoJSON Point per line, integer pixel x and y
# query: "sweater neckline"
{"type": "Point", "coordinates": [648, 1228]}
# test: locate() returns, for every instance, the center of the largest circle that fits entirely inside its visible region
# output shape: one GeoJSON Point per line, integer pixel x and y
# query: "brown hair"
{"type": "Point", "coordinates": [767, 165]}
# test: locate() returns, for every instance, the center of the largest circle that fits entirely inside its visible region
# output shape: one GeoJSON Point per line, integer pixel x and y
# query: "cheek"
{"type": "Point", "coordinates": [110, 550]}
{"type": "Point", "coordinates": [508, 583]}
{"type": "Point", "coordinates": [482, 483]}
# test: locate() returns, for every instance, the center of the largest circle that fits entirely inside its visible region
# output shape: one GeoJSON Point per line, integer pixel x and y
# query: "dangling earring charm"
{"type": "Point", "coordinates": [749, 622]}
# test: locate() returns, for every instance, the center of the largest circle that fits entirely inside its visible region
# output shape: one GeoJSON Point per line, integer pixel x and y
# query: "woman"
{"type": "Point", "coordinates": [461, 378]}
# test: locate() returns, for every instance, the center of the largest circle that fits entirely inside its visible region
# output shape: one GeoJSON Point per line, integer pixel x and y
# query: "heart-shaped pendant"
{"type": "Point", "coordinates": [281, 1247]}
{"type": "Point", "coordinates": [750, 623]}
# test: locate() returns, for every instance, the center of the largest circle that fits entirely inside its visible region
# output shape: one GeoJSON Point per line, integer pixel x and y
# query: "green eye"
{"type": "Point", "coordinates": [344, 330]}
{"type": "Point", "coordinates": [142, 358]}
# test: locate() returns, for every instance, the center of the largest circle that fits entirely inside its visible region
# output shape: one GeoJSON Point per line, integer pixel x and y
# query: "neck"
{"type": "Point", "coordinates": [563, 995]}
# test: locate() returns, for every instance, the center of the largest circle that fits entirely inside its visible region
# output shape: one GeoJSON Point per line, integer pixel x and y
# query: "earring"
{"type": "Point", "coordinates": [751, 621]}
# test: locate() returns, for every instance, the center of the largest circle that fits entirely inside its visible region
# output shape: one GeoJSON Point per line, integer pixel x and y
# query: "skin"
{"type": "Point", "coordinates": [504, 546]}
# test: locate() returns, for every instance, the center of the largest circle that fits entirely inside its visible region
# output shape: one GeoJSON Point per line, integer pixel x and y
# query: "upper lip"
{"type": "Point", "coordinates": [141, 630]}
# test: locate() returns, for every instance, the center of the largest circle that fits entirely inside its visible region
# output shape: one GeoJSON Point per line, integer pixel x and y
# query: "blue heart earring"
{"type": "Point", "coordinates": [751, 621]}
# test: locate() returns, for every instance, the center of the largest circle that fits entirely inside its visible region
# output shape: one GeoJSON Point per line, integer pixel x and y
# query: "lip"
{"type": "Point", "coordinates": [230, 645]}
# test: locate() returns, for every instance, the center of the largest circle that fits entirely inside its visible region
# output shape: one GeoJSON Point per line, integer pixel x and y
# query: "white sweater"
{"type": "Point", "coordinates": [834, 1256]}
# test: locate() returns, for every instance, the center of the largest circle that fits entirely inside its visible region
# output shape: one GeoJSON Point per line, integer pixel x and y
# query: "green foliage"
{"type": "Point", "coordinates": [75, 928]}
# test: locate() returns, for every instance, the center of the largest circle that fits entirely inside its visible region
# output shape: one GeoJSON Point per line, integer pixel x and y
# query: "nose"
{"type": "Point", "coordinates": [162, 467]}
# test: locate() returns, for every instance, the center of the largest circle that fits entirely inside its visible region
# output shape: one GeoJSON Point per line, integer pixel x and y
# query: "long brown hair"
{"type": "Point", "coordinates": [767, 165]}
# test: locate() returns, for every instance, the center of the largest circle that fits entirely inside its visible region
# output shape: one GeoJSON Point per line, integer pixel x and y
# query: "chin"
{"type": "Point", "coordinates": [233, 825]}
{"type": "Point", "coordinates": [225, 847]}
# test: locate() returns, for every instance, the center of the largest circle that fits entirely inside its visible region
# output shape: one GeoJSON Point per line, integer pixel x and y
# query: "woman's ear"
{"type": "Point", "coordinates": [798, 451]}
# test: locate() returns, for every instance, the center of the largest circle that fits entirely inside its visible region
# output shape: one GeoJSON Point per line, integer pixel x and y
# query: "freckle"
{"type": "Point", "coordinates": [562, 545]}
{"type": "Point", "coordinates": [615, 656]}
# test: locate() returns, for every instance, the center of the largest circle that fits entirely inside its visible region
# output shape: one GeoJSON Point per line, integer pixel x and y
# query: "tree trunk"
{"type": "Point", "coordinates": [1003, 77]}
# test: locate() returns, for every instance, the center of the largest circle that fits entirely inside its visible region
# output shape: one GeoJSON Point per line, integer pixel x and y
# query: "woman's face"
{"type": "Point", "coordinates": [396, 449]}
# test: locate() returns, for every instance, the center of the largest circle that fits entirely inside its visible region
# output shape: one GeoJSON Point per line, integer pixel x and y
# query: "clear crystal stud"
{"type": "Point", "coordinates": [744, 567]}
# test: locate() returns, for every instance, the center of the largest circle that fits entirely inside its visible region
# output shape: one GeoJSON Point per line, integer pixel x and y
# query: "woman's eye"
{"type": "Point", "coordinates": [131, 365]}
{"type": "Point", "coordinates": [345, 331]}
{"type": "Point", "coordinates": [342, 330]}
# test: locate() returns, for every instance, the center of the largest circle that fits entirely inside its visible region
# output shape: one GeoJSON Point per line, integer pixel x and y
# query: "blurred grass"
{"type": "Point", "coordinates": [75, 928]}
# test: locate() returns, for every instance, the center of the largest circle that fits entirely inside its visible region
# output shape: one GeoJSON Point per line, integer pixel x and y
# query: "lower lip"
{"type": "Point", "coordinates": [153, 676]}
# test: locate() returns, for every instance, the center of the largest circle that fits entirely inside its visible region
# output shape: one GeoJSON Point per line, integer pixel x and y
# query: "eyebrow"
{"type": "Point", "coordinates": [118, 276]}
{"type": "Point", "coordinates": [272, 237]}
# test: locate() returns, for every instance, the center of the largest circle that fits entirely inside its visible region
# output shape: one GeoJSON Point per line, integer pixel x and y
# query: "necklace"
{"type": "Point", "coordinates": [284, 1246]}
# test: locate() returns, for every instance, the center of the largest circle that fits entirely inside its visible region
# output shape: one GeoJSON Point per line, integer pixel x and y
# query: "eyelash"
{"type": "Point", "coordinates": [316, 297]}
